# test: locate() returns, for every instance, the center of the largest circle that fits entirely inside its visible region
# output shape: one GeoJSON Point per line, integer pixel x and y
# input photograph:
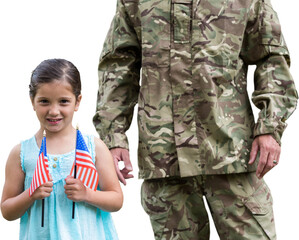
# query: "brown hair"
{"type": "Point", "coordinates": [55, 69]}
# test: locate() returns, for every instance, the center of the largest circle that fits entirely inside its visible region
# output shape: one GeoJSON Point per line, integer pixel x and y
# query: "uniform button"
{"type": "Point", "coordinates": [55, 159]}
{"type": "Point", "coordinates": [54, 165]}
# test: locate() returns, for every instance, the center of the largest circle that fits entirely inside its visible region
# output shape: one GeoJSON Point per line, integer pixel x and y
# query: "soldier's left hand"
{"type": "Point", "coordinates": [269, 151]}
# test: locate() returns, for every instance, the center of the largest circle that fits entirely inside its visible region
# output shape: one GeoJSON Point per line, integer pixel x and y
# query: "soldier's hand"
{"type": "Point", "coordinates": [269, 151]}
{"type": "Point", "coordinates": [122, 154]}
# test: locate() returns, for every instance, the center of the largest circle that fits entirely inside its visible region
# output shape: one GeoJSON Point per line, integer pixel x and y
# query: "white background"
{"type": "Point", "coordinates": [34, 30]}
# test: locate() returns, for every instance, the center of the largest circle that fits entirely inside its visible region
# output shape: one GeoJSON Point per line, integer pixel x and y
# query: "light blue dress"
{"type": "Point", "coordinates": [89, 223]}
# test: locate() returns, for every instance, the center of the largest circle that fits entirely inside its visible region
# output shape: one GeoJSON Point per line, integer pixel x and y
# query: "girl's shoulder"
{"type": "Point", "coordinates": [29, 142]}
{"type": "Point", "coordinates": [13, 160]}
{"type": "Point", "coordinates": [15, 151]}
{"type": "Point", "coordinates": [100, 145]}
{"type": "Point", "coordinates": [99, 142]}
{"type": "Point", "coordinates": [101, 150]}
{"type": "Point", "coordinates": [29, 146]}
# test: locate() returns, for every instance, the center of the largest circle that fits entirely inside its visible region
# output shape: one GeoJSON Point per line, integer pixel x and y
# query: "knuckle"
{"type": "Point", "coordinates": [262, 162]}
{"type": "Point", "coordinates": [265, 147]}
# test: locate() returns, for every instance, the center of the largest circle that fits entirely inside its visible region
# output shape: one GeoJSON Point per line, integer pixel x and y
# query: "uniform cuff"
{"type": "Point", "coordinates": [273, 127]}
{"type": "Point", "coordinates": [115, 140]}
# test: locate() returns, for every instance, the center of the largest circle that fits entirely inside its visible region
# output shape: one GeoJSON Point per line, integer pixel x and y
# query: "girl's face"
{"type": "Point", "coordinates": [54, 104]}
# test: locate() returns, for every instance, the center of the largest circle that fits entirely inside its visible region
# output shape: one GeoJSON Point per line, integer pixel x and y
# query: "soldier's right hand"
{"type": "Point", "coordinates": [122, 154]}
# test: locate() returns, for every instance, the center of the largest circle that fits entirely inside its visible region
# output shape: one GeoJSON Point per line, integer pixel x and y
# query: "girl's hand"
{"type": "Point", "coordinates": [75, 189]}
{"type": "Point", "coordinates": [43, 191]}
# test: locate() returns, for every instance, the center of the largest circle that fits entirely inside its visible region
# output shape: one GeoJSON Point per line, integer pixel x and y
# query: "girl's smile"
{"type": "Point", "coordinates": [54, 121]}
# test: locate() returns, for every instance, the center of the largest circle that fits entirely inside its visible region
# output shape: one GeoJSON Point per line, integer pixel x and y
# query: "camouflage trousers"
{"type": "Point", "coordinates": [240, 204]}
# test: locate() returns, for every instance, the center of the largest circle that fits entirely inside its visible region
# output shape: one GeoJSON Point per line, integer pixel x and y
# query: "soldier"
{"type": "Point", "coordinates": [197, 134]}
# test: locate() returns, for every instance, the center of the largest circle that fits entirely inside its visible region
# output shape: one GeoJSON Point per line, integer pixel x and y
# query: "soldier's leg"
{"type": "Point", "coordinates": [241, 206]}
{"type": "Point", "coordinates": [176, 208]}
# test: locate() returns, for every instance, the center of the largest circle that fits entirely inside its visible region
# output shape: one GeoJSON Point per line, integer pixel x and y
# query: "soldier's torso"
{"type": "Point", "coordinates": [194, 114]}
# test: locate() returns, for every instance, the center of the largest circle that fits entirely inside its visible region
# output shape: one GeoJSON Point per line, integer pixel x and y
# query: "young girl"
{"type": "Point", "coordinates": [55, 92]}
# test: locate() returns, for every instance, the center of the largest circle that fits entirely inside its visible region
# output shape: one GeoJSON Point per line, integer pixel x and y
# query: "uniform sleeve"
{"type": "Point", "coordinates": [119, 73]}
{"type": "Point", "coordinates": [274, 90]}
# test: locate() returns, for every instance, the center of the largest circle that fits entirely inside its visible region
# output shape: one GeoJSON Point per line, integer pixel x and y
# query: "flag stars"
{"type": "Point", "coordinates": [85, 168]}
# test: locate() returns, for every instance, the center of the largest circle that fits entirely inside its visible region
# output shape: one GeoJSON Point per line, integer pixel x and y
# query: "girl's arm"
{"type": "Point", "coordinates": [15, 201]}
{"type": "Point", "coordinates": [110, 198]}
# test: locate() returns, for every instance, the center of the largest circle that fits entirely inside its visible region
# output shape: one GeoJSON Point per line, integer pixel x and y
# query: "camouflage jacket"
{"type": "Point", "coordinates": [194, 114]}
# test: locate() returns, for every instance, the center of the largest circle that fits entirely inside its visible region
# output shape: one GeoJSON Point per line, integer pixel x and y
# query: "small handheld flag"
{"type": "Point", "coordinates": [41, 172]}
{"type": "Point", "coordinates": [83, 167]}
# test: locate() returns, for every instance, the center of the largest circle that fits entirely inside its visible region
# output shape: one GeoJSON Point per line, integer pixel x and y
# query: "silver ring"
{"type": "Point", "coordinates": [274, 162]}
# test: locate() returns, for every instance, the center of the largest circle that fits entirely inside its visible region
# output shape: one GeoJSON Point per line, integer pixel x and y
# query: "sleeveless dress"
{"type": "Point", "coordinates": [90, 223]}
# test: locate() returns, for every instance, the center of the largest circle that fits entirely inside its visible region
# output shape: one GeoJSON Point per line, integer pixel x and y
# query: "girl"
{"type": "Point", "coordinates": [55, 93]}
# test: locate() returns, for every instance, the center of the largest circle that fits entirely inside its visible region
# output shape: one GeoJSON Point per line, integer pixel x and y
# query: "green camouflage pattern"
{"type": "Point", "coordinates": [194, 113]}
{"type": "Point", "coordinates": [241, 207]}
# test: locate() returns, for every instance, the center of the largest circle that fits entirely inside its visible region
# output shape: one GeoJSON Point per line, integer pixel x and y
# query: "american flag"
{"type": "Point", "coordinates": [41, 172]}
{"type": "Point", "coordinates": [85, 168]}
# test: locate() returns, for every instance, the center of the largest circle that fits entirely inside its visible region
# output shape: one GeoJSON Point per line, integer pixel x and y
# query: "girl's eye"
{"type": "Point", "coordinates": [43, 101]}
{"type": "Point", "coordinates": [64, 101]}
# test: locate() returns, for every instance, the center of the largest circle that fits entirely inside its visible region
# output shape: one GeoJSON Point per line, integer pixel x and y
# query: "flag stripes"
{"type": "Point", "coordinates": [86, 170]}
{"type": "Point", "coordinates": [41, 172]}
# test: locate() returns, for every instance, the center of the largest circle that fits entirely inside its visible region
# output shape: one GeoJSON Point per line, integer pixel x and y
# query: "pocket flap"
{"type": "Point", "coordinates": [182, 1]}
{"type": "Point", "coordinates": [255, 207]}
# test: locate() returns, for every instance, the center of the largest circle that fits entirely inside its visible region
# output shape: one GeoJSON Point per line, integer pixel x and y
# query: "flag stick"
{"type": "Point", "coordinates": [75, 173]}
{"type": "Point", "coordinates": [43, 200]}
{"type": "Point", "coordinates": [75, 170]}
{"type": "Point", "coordinates": [43, 211]}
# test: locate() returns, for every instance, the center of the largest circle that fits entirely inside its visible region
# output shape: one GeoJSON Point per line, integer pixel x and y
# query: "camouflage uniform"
{"type": "Point", "coordinates": [194, 114]}
{"type": "Point", "coordinates": [241, 207]}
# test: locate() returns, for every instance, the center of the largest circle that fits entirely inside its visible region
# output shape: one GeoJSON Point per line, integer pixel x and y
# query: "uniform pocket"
{"type": "Point", "coordinates": [260, 206]}
{"type": "Point", "coordinates": [182, 21]}
{"type": "Point", "coordinates": [155, 37]}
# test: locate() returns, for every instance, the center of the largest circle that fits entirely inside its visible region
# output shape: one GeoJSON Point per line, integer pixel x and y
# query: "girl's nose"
{"type": "Point", "coordinates": [54, 110]}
